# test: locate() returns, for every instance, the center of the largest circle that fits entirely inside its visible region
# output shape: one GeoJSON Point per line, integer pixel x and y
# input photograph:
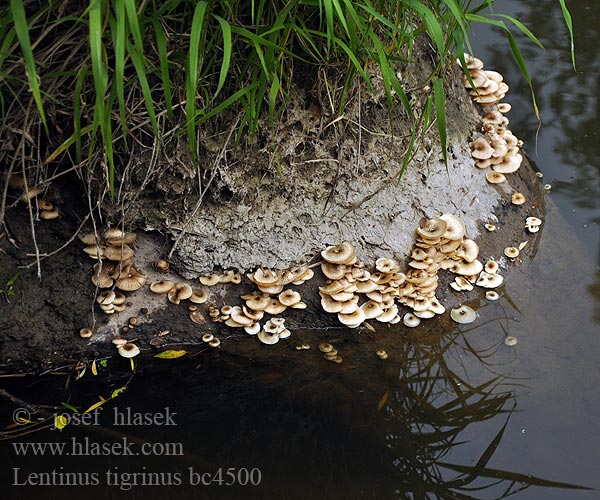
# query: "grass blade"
{"type": "Point", "coordinates": [192, 74]}
{"type": "Point", "coordinates": [138, 63]}
{"type": "Point", "coordinates": [22, 30]}
{"type": "Point", "coordinates": [440, 112]}
{"type": "Point", "coordinates": [227, 50]}
{"type": "Point", "coordinates": [569, 23]}
{"type": "Point", "coordinates": [118, 32]}
{"type": "Point", "coordinates": [161, 43]}
{"type": "Point", "coordinates": [523, 67]}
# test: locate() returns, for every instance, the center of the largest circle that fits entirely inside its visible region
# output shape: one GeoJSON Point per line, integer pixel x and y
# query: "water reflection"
{"type": "Point", "coordinates": [364, 429]}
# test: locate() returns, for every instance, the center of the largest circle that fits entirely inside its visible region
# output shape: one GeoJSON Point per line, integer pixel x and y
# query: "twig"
{"type": "Point", "coordinates": [66, 244]}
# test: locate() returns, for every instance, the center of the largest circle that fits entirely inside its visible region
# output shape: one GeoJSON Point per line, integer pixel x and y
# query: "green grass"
{"type": "Point", "coordinates": [138, 68]}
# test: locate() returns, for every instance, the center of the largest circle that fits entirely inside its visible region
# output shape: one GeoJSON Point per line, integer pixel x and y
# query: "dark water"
{"type": "Point", "coordinates": [459, 415]}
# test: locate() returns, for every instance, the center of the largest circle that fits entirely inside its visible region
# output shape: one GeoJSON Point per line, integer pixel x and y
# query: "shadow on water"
{"type": "Point", "coordinates": [368, 428]}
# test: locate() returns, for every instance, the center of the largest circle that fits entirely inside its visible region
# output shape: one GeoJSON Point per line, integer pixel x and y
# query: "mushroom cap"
{"type": "Point", "coordinates": [253, 328]}
{"type": "Point", "coordinates": [232, 323]}
{"type": "Point", "coordinates": [264, 277]}
{"type": "Point", "coordinates": [300, 305]}
{"type": "Point", "coordinates": [275, 288]}
{"type": "Point", "coordinates": [101, 280]}
{"type": "Point", "coordinates": [89, 239]}
{"type": "Point", "coordinates": [85, 333]}
{"type": "Point", "coordinates": [491, 266]}
{"type": "Point", "coordinates": [492, 295]}
{"type": "Point", "coordinates": [214, 343]}
{"type": "Point", "coordinates": [330, 305]}
{"type": "Point", "coordinates": [349, 306]}
{"type": "Point", "coordinates": [258, 301]}
{"type": "Point", "coordinates": [481, 149]}
{"type": "Point", "coordinates": [307, 276]}
{"type": "Point", "coordinates": [124, 238]}
{"type": "Point", "coordinates": [268, 338]}
{"type": "Point", "coordinates": [95, 251]}
{"type": "Point", "coordinates": [511, 252]}
{"type": "Point", "coordinates": [510, 164]}
{"type": "Point", "coordinates": [461, 283]}
{"type": "Point", "coordinates": [132, 281]}
{"type": "Point", "coordinates": [207, 337]}
{"type": "Point", "coordinates": [463, 314]}
{"type": "Point", "coordinates": [49, 214]}
{"type": "Point", "coordinates": [112, 232]}
{"type": "Point", "coordinates": [533, 221]}
{"type": "Point", "coordinates": [179, 292]}
{"type": "Point", "coordinates": [210, 280]}
{"type": "Point", "coordinates": [468, 250]}
{"type": "Point", "coordinates": [490, 227]}
{"type": "Point", "coordinates": [118, 341]}
{"type": "Point", "coordinates": [467, 268]}
{"type": "Point", "coordinates": [252, 314]}
{"type": "Point", "coordinates": [106, 298]}
{"type": "Point", "coordinates": [455, 227]}
{"type": "Point", "coordinates": [275, 307]}
{"type": "Point", "coordinates": [473, 62]}
{"type": "Point", "coordinates": [517, 198]}
{"type": "Point", "coordinates": [371, 309]}
{"type": "Point", "coordinates": [410, 320]}
{"type": "Point", "coordinates": [388, 315]}
{"type": "Point", "coordinates": [238, 316]}
{"type": "Point", "coordinates": [343, 253]}
{"type": "Point", "coordinates": [432, 228]}
{"type": "Point", "coordinates": [284, 334]}
{"type": "Point", "coordinates": [488, 280]}
{"type": "Point", "coordinates": [386, 265]}
{"type": "Point", "coordinates": [289, 297]}
{"type": "Point", "coordinates": [333, 271]}
{"type": "Point", "coordinates": [333, 286]}
{"type": "Point", "coordinates": [352, 319]}
{"type": "Point", "coordinates": [426, 314]}
{"type": "Point", "coordinates": [437, 307]}
{"type": "Point", "coordinates": [479, 78]}
{"type": "Point", "coordinates": [119, 299]}
{"type": "Point", "coordinates": [199, 296]}
{"type": "Point", "coordinates": [118, 253]}
{"type": "Point", "coordinates": [162, 286]}
{"type": "Point", "coordinates": [494, 177]}
{"type": "Point", "coordinates": [504, 107]}
{"type": "Point", "coordinates": [128, 350]}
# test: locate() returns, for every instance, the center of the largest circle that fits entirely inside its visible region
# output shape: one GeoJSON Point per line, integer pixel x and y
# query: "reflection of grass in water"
{"type": "Point", "coordinates": [427, 409]}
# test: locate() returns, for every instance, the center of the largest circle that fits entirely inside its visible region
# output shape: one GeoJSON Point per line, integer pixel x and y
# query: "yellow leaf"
{"type": "Point", "coordinates": [60, 422]}
{"type": "Point", "coordinates": [132, 364]}
{"type": "Point", "coordinates": [171, 354]}
{"type": "Point", "coordinates": [96, 405]}
{"type": "Point", "coordinates": [383, 400]}
{"type": "Point", "coordinates": [94, 369]}
{"type": "Point", "coordinates": [80, 374]}
{"type": "Point", "coordinates": [370, 327]}
{"type": "Point", "coordinates": [118, 391]}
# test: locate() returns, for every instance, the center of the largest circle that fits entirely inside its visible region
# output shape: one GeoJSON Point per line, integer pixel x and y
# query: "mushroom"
{"type": "Point", "coordinates": [49, 214]}
{"type": "Point", "coordinates": [199, 296]}
{"type": "Point", "coordinates": [161, 265]}
{"type": "Point", "coordinates": [495, 177]}
{"type": "Point", "coordinates": [210, 280]}
{"type": "Point", "coordinates": [179, 292]}
{"type": "Point", "coordinates": [411, 320]}
{"type": "Point", "coordinates": [371, 309]}
{"type": "Point", "coordinates": [257, 301]}
{"type": "Point", "coordinates": [118, 253]}
{"type": "Point", "coordinates": [461, 283]}
{"type": "Point", "coordinates": [252, 329]}
{"type": "Point", "coordinates": [289, 298]}
{"type": "Point", "coordinates": [511, 252]}
{"type": "Point", "coordinates": [463, 314]}
{"type": "Point", "coordinates": [134, 280]}
{"type": "Point", "coordinates": [128, 350]}
{"type": "Point", "coordinates": [333, 271]}
{"type": "Point", "coordinates": [468, 250]}
{"type": "Point", "coordinates": [432, 228]}
{"type": "Point", "coordinates": [517, 198]}
{"type": "Point", "coordinates": [491, 295]}
{"type": "Point", "coordinates": [343, 253]}
{"type": "Point", "coordinates": [207, 337]}
{"type": "Point", "coordinates": [85, 333]}
{"type": "Point", "coordinates": [163, 286]}
{"type": "Point", "coordinates": [353, 319]}
{"type": "Point", "coordinates": [481, 149]}
{"type": "Point", "coordinates": [455, 227]}
{"type": "Point", "coordinates": [491, 266]}
{"type": "Point", "coordinates": [214, 343]}
{"type": "Point", "coordinates": [386, 265]}
{"type": "Point", "coordinates": [487, 280]}
{"type": "Point", "coordinates": [275, 307]}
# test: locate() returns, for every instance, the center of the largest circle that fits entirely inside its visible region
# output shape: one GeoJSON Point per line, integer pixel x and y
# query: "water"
{"type": "Point", "coordinates": [408, 427]}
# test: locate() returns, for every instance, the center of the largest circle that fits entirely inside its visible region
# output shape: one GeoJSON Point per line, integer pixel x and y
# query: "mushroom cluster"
{"type": "Point", "coordinates": [114, 268]}
{"type": "Point", "coordinates": [178, 291]}
{"type": "Point", "coordinates": [348, 278]}
{"type": "Point", "coordinates": [496, 146]}
{"type": "Point", "coordinates": [271, 298]}
{"type": "Point", "coordinates": [217, 279]}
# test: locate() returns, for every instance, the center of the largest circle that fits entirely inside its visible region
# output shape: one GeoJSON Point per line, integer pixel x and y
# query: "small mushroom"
{"type": "Point", "coordinates": [128, 350]}
{"type": "Point", "coordinates": [289, 298]}
{"type": "Point", "coordinates": [463, 314]}
{"type": "Point", "coordinates": [511, 252]}
{"type": "Point", "coordinates": [85, 333]}
{"type": "Point", "coordinates": [214, 343]}
{"type": "Point", "coordinates": [495, 177]}
{"type": "Point", "coordinates": [411, 320]}
{"type": "Point", "coordinates": [161, 265]}
{"type": "Point", "coordinates": [432, 228]}
{"type": "Point", "coordinates": [455, 227]}
{"type": "Point", "coordinates": [343, 253]}
{"type": "Point", "coordinates": [207, 337]}
{"type": "Point", "coordinates": [517, 198]}
{"type": "Point", "coordinates": [199, 296]}
{"type": "Point", "coordinates": [210, 280]}
{"type": "Point", "coordinates": [492, 295]}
